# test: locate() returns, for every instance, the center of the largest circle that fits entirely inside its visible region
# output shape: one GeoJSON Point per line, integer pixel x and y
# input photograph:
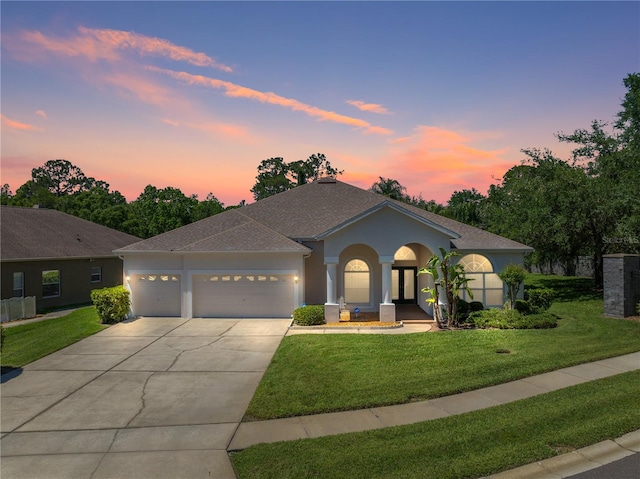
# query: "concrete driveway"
{"type": "Point", "coordinates": [148, 398]}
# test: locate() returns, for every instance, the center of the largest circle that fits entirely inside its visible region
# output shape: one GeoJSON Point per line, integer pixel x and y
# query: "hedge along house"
{"type": "Point", "coordinates": [57, 257]}
{"type": "Point", "coordinates": [325, 242]}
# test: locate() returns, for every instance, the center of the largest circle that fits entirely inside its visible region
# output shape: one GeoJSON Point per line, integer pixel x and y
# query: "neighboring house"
{"type": "Point", "coordinates": [325, 242]}
{"type": "Point", "coordinates": [56, 257]}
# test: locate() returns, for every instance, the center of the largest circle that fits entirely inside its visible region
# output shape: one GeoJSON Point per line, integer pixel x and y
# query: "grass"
{"type": "Point", "coordinates": [312, 374]}
{"type": "Point", "coordinates": [469, 445]}
{"type": "Point", "coordinates": [26, 343]}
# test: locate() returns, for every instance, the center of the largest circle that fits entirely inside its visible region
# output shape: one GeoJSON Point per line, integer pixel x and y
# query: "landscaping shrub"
{"type": "Point", "coordinates": [476, 306]}
{"type": "Point", "coordinates": [112, 304]}
{"type": "Point", "coordinates": [463, 310]}
{"type": "Point", "coordinates": [539, 299]}
{"type": "Point", "coordinates": [512, 319]}
{"type": "Point", "coordinates": [522, 306]}
{"type": "Point", "coordinates": [1, 337]}
{"type": "Point", "coordinates": [311, 315]}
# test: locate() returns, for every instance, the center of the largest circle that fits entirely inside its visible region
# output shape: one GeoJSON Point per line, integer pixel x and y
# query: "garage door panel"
{"type": "Point", "coordinates": [243, 296]}
{"type": "Point", "coordinates": [156, 294]}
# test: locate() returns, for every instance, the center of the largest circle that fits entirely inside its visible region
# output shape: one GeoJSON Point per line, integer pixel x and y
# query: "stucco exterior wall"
{"type": "Point", "coordinates": [385, 231]}
{"type": "Point", "coordinates": [315, 273]}
{"type": "Point", "coordinates": [187, 265]}
{"type": "Point", "coordinates": [75, 279]}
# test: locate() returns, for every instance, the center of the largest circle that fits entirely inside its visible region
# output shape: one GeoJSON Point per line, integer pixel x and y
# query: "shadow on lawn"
{"type": "Point", "coordinates": [567, 288]}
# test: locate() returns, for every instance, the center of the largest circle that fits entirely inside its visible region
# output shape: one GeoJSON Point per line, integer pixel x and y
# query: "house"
{"type": "Point", "coordinates": [56, 257]}
{"type": "Point", "coordinates": [326, 242]}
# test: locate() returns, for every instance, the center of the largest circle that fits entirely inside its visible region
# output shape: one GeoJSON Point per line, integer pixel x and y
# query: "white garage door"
{"type": "Point", "coordinates": [243, 295]}
{"type": "Point", "coordinates": [156, 294]}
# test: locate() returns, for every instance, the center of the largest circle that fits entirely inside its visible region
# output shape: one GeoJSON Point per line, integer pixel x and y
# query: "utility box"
{"type": "Point", "coordinates": [621, 275]}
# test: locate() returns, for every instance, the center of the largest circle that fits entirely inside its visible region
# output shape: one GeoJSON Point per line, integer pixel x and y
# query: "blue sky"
{"type": "Point", "coordinates": [438, 95]}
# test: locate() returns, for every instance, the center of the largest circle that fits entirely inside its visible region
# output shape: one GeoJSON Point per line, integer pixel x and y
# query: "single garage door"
{"type": "Point", "coordinates": [156, 294]}
{"type": "Point", "coordinates": [243, 295]}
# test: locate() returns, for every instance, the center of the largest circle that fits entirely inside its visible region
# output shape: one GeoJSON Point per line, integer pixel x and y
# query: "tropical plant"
{"type": "Point", "coordinates": [448, 279]}
{"type": "Point", "coordinates": [513, 275]}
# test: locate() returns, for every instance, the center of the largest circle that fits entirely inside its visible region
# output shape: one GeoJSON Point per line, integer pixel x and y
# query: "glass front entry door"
{"type": "Point", "coordinates": [404, 285]}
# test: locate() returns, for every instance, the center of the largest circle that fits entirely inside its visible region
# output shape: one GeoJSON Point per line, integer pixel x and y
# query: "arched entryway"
{"type": "Point", "coordinates": [404, 276]}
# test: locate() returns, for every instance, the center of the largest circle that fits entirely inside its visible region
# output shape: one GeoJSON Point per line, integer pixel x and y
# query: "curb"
{"type": "Point", "coordinates": [578, 461]}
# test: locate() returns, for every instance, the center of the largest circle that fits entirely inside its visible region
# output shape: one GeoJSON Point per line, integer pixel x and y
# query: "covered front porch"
{"type": "Point", "coordinates": [361, 282]}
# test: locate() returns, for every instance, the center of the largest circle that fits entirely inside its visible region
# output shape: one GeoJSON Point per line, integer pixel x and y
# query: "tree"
{"type": "Point", "coordinates": [513, 275]}
{"type": "Point", "coordinates": [5, 194]}
{"type": "Point", "coordinates": [61, 177]}
{"type": "Point", "coordinates": [449, 279]}
{"type": "Point", "coordinates": [390, 188]}
{"type": "Point", "coordinates": [208, 207]}
{"type": "Point", "coordinates": [541, 203]}
{"type": "Point", "coordinates": [272, 178]}
{"type": "Point", "coordinates": [157, 211]}
{"type": "Point", "coordinates": [465, 206]}
{"type": "Point", "coordinates": [275, 175]}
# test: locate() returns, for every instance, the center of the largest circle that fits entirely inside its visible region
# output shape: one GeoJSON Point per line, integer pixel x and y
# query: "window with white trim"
{"type": "Point", "coordinates": [96, 274]}
{"type": "Point", "coordinates": [357, 282]}
{"type": "Point", "coordinates": [18, 285]}
{"type": "Point", "coordinates": [486, 286]}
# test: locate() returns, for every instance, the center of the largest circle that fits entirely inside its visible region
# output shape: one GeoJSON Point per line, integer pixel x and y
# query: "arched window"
{"type": "Point", "coordinates": [486, 286]}
{"type": "Point", "coordinates": [357, 281]}
{"type": "Point", "coordinates": [405, 253]}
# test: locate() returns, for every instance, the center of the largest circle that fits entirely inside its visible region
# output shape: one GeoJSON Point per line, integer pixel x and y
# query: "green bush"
{"type": "Point", "coordinates": [112, 304]}
{"type": "Point", "coordinates": [463, 310]}
{"type": "Point", "coordinates": [539, 299]}
{"type": "Point", "coordinates": [476, 306]}
{"type": "Point", "coordinates": [522, 306]}
{"type": "Point", "coordinates": [311, 315]}
{"type": "Point", "coordinates": [1, 337]}
{"type": "Point", "coordinates": [512, 319]}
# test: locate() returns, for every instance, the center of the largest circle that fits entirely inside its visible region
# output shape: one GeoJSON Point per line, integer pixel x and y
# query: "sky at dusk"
{"type": "Point", "coordinates": [440, 96]}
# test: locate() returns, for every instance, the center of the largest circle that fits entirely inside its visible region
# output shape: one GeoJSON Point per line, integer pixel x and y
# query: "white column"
{"type": "Point", "coordinates": [386, 283]}
{"type": "Point", "coordinates": [387, 308]}
{"type": "Point", "coordinates": [332, 285]}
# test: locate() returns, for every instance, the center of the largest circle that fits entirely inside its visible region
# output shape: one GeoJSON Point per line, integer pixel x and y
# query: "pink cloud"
{"type": "Point", "coordinates": [369, 107]}
{"type": "Point", "coordinates": [434, 162]}
{"type": "Point", "coordinates": [102, 44]}
{"type": "Point", "coordinates": [17, 125]}
{"type": "Point", "coordinates": [42, 114]}
{"type": "Point", "coordinates": [145, 45]}
{"type": "Point", "coordinates": [238, 91]}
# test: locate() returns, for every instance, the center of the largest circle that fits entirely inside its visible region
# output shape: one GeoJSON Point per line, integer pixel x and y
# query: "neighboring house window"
{"type": "Point", "coordinates": [486, 286]}
{"type": "Point", "coordinates": [357, 279]}
{"type": "Point", "coordinates": [18, 285]}
{"type": "Point", "coordinates": [96, 274]}
{"type": "Point", "coordinates": [51, 283]}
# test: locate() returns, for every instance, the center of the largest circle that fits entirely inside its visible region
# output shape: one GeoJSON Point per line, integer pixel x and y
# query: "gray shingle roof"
{"type": "Point", "coordinates": [230, 231]}
{"type": "Point", "coordinates": [38, 233]}
{"type": "Point", "coordinates": [305, 212]}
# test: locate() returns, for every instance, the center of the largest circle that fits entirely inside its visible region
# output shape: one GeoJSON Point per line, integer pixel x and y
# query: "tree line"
{"type": "Point", "coordinates": [588, 204]}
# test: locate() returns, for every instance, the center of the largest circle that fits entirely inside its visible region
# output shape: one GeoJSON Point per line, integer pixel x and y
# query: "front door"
{"type": "Point", "coordinates": [404, 285]}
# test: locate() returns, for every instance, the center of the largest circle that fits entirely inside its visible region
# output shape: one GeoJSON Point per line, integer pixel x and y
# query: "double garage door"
{"type": "Point", "coordinates": [217, 295]}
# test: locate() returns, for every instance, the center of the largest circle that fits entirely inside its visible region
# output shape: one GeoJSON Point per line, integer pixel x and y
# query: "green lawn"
{"type": "Point", "coordinates": [469, 445]}
{"type": "Point", "coordinates": [312, 374]}
{"type": "Point", "coordinates": [28, 342]}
